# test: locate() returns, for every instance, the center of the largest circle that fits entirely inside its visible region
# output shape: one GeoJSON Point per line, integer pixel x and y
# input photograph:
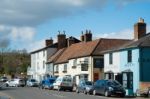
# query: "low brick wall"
{"type": "Point", "coordinates": [144, 85]}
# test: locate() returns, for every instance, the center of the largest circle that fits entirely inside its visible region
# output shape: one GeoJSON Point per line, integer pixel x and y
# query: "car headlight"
{"type": "Point", "coordinates": [110, 88]}
{"type": "Point", "coordinates": [87, 88]}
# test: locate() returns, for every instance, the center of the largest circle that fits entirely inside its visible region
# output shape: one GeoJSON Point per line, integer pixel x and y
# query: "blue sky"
{"type": "Point", "coordinates": [27, 23]}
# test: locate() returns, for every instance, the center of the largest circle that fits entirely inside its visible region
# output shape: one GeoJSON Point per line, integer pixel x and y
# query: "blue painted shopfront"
{"type": "Point", "coordinates": [139, 66]}
{"type": "Point", "coordinates": [132, 67]}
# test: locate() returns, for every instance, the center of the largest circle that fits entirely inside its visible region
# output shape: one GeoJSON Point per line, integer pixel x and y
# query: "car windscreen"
{"type": "Point", "coordinates": [88, 83]}
{"type": "Point", "coordinates": [4, 77]}
{"type": "Point", "coordinates": [67, 80]}
{"type": "Point", "coordinates": [113, 83]}
{"type": "Point", "coordinates": [33, 80]}
{"type": "Point", "coordinates": [51, 80]}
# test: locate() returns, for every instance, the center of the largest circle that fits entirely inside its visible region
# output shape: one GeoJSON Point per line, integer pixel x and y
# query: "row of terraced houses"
{"type": "Point", "coordinates": [125, 60]}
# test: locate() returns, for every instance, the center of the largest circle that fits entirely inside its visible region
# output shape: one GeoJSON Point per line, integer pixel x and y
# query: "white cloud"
{"type": "Point", "coordinates": [36, 45]}
{"type": "Point", "coordinates": [148, 29]}
{"type": "Point", "coordinates": [124, 34]}
{"type": "Point", "coordinates": [35, 12]}
{"type": "Point", "coordinates": [23, 33]}
{"type": "Point", "coordinates": [9, 34]}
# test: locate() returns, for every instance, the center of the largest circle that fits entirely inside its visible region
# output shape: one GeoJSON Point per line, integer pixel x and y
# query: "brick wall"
{"type": "Point", "coordinates": [144, 85]}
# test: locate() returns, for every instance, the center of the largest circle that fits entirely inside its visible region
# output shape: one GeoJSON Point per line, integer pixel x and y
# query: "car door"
{"type": "Point", "coordinates": [80, 86]}
{"type": "Point", "coordinates": [97, 86]}
{"type": "Point", "coordinates": [102, 87]}
{"type": "Point", "coordinates": [11, 83]}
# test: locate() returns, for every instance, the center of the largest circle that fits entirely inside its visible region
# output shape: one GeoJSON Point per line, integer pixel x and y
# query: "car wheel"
{"type": "Point", "coordinates": [59, 88]}
{"type": "Point", "coordinates": [77, 91]}
{"type": "Point", "coordinates": [7, 85]}
{"type": "Point", "coordinates": [84, 91]}
{"type": "Point", "coordinates": [107, 94]}
{"type": "Point", "coordinates": [148, 95]}
{"type": "Point", "coordinates": [94, 92]}
{"type": "Point", "coordinates": [71, 90]}
{"type": "Point", "coordinates": [122, 95]}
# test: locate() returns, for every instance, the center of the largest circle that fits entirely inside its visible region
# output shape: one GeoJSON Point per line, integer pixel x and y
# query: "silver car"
{"type": "Point", "coordinates": [32, 83]}
{"type": "Point", "coordinates": [85, 87]}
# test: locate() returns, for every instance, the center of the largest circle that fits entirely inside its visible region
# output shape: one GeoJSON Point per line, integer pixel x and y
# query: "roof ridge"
{"type": "Point", "coordinates": [96, 46]}
{"type": "Point", "coordinates": [55, 59]}
{"type": "Point", "coordinates": [114, 39]}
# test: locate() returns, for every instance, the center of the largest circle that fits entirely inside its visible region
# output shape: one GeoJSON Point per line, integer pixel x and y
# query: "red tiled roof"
{"type": "Point", "coordinates": [78, 50]}
{"type": "Point", "coordinates": [91, 48]}
{"type": "Point", "coordinates": [109, 44]}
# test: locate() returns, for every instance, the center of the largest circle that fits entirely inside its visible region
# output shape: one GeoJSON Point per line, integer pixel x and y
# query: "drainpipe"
{"type": "Point", "coordinates": [92, 68]}
{"type": "Point", "coordinates": [140, 65]}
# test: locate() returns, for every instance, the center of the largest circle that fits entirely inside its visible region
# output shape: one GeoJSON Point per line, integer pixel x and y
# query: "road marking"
{"type": "Point", "coordinates": [60, 96]}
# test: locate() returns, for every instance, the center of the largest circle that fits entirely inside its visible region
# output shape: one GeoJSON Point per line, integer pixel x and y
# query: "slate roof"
{"type": "Point", "coordinates": [106, 44]}
{"type": "Point", "coordinates": [51, 46]}
{"type": "Point", "coordinates": [55, 45]}
{"type": "Point", "coordinates": [142, 42]}
{"type": "Point", "coordinates": [91, 48]}
{"type": "Point", "coordinates": [54, 57]}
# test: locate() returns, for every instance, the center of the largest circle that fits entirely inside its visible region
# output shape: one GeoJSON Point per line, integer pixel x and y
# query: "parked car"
{"type": "Point", "coordinates": [63, 83]}
{"type": "Point", "coordinates": [32, 83]}
{"type": "Point", "coordinates": [15, 82]}
{"type": "Point", "coordinates": [48, 83]}
{"type": "Point", "coordinates": [3, 79]}
{"type": "Point", "coordinates": [108, 88]}
{"type": "Point", "coordinates": [143, 92]}
{"type": "Point", "coordinates": [85, 87]}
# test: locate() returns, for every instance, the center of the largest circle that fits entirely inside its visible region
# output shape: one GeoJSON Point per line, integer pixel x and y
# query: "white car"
{"type": "Point", "coordinates": [63, 83]}
{"type": "Point", "coordinates": [32, 83]}
{"type": "Point", "coordinates": [15, 83]}
{"type": "Point", "coordinates": [3, 79]}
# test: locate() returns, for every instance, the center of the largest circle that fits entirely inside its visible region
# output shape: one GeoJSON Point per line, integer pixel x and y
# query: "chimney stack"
{"type": "Point", "coordinates": [82, 37]}
{"type": "Point", "coordinates": [88, 36]}
{"type": "Point", "coordinates": [61, 40]}
{"type": "Point", "coordinates": [71, 41]}
{"type": "Point", "coordinates": [139, 29]}
{"type": "Point", "coordinates": [48, 42]}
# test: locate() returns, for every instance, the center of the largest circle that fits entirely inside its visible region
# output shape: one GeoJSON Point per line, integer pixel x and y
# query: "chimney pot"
{"type": "Point", "coordinates": [82, 36]}
{"type": "Point", "coordinates": [88, 36]}
{"type": "Point", "coordinates": [141, 20]}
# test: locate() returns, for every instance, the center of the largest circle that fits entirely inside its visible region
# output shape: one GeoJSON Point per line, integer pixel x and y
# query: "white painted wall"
{"type": "Point", "coordinates": [38, 62]}
{"type": "Point", "coordinates": [115, 66]}
{"type": "Point", "coordinates": [75, 71]}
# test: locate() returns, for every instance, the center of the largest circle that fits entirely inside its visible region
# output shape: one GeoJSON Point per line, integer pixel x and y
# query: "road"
{"type": "Point", "coordinates": [36, 93]}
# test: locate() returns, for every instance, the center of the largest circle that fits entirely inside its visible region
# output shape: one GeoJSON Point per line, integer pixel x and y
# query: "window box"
{"type": "Point", "coordinates": [64, 71]}
{"type": "Point", "coordinates": [74, 67]}
{"type": "Point", "coordinates": [56, 72]}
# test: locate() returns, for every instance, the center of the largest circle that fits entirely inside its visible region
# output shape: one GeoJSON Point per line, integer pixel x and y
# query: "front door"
{"type": "Point", "coordinates": [96, 76]}
{"type": "Point", "coordinates": [118, 77]}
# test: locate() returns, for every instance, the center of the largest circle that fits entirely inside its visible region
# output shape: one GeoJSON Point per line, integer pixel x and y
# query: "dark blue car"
{"type": "Point", "coordinates": [48, 83]}
{"type": "Point", "coordinates": [108, 88]}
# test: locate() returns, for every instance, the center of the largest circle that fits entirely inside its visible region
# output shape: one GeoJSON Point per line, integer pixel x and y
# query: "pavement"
{"type": "Point", "coordinates": [3, 95]}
